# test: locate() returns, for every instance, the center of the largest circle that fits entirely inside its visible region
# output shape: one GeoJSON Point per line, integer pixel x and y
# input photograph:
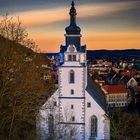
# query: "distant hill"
{"type": "Point", "coordinates": [113, 52]}
{"type": "Point", "coordinates": [98, 53]}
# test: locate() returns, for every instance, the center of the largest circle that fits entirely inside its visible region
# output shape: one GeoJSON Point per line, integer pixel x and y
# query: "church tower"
{"type": "Point", "coordinates": [73, 80]}
{"type": "Point", "coordinates": [77, 109]}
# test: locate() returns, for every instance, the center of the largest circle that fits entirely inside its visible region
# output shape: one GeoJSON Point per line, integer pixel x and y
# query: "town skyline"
{"type": "Point", "coordinates": [104, 24]}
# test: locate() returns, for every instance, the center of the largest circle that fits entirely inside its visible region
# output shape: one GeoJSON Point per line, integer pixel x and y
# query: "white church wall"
{"type": "Point", "coordinates": [77, 86]}
{"type": "Point", "coordinates": [96, 110]}
{"type": "Point", "coordinates": [42, 119]}
{"type": "Point", "coordinates": [76, 112]}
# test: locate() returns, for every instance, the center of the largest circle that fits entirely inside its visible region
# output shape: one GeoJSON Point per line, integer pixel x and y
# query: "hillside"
{"type": "Point", "coordinates": [22, 90]}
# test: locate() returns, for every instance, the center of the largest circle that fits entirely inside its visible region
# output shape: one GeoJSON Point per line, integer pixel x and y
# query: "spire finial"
{"type": "Point", "coordinates": [73, 14]}
{"type": "Point", "coordinates": [72, 4]}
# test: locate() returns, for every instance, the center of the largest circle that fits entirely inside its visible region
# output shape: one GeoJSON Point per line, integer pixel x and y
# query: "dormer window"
{"type": "Point", "coordinates": [71, 57]}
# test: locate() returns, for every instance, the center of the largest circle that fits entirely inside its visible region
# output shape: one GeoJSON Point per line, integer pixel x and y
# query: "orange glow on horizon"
{"type": "Point", "coordinates": [110, 41]}
{"type": "Point", "coordinates": [45, 26]}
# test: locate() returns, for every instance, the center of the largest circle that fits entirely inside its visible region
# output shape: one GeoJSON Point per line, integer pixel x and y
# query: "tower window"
{"type": "Point", "coordinates": [71, 76]}
{"type": "Point", "coordinates": [74, 57]}
{"type": "Point", "coordinates": [88, 104]}
{"type": "Point", "coordinates": [72, 92]}
{"type": "Point", "coordinates": [73, 118]}
{"type": "Point", "coordinates": [72, 106]}
{"type": "Point", "coordinates": [71, 57]}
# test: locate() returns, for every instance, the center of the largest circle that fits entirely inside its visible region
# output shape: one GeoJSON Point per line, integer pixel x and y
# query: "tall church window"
{"type": "Point", "coordinates": [93, 130]}
{"type": "Point", "coordinates": [51, 125]}
{"type": "Point", "coordinates": [71, 77]}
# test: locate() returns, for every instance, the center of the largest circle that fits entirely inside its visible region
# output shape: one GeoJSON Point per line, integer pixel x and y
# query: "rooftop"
{"type": "Point", "coordinates": [97, 94]}
{"type": "Point", "coordinates": [112, 89]}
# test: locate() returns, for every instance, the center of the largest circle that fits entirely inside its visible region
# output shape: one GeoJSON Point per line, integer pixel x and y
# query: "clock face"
{"type": "Point", "coordinates": [72, 48]}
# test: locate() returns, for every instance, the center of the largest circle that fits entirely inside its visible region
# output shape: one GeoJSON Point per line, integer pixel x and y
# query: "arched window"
{"type": "Point", "coordinates": [51, 125]}
{"type": "Point", "coordinates": [71, 76]}
{"type": "Point", "coordinates": [93, 131]}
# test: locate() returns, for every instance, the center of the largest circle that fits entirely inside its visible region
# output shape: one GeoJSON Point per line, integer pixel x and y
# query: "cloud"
{"type": "Point", "coordinates": [54, 15]}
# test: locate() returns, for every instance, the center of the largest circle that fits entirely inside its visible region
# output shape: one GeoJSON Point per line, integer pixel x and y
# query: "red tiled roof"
{"type": "Point", "coordinates": [112, 89]}
{"type": "Point", "coordinates": [137, 88]}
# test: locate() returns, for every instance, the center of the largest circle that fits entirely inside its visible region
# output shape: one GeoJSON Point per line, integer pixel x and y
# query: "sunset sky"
{"type": "Point", "coordinates": [105, 24]}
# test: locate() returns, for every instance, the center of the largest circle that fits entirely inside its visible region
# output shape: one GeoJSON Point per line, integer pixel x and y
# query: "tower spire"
{"type": "Point", "coordinates": [73, 28]}
{"type": "Point", "coordinates": [73, 14]}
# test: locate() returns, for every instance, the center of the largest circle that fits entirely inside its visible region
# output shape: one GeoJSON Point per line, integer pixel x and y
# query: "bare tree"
{"type": "Point", "coordinates": [12, 29]}
{"type": "Point", "coordinates": [22, 90]}
{"type": "Point", "coordinates": [61, 130]}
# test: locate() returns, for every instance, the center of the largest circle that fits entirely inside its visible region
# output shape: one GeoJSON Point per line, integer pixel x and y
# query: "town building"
{"type": "Point", "coordinates": [116, 95]}
{"type": "Point", "coordinates": [76, 111]}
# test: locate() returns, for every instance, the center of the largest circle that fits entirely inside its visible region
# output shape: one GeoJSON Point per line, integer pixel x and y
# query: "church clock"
{"type": "Point", "coordinates": [71, 48]}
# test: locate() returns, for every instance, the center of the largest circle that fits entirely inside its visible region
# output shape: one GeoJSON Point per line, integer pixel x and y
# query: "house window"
{"type": "Point", "coordinates": [72, 92]}
{"type": "Point", "coordinates": [72, 106]}
{"type": "Point", "coordinates": [71, 57]}
{"type": "Point", "coordinates": [88, 104]}
{"type": "Point", "coordinates": [73, 118]}
{"type": "Point", "coordinates": [93, 130]}
{"type": "Point", "coordinates": [71, 76]}
{"type": "Point", "coordinates": [51, 125]}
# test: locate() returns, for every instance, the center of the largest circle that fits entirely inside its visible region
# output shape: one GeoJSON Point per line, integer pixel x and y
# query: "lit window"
{"type": "Point", "coordinates": [71, 76]}
{"type": "Point", "coordinates": [88, 104]}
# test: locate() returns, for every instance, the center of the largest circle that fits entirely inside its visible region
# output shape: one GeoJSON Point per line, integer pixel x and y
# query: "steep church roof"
{"type": "Point", "coordinates": [96, 93]}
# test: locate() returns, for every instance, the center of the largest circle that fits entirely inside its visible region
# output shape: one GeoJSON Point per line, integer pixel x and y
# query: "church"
{"type": "Point", "coordinates": [76, 111]}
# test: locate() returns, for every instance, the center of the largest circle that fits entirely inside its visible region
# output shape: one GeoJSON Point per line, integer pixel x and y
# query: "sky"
{"type": "Point", "coordinates": [105, 24]}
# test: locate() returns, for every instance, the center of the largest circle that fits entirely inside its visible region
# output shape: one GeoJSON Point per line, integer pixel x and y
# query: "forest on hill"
{"type": "Point", "coordinates": [22, 88]}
